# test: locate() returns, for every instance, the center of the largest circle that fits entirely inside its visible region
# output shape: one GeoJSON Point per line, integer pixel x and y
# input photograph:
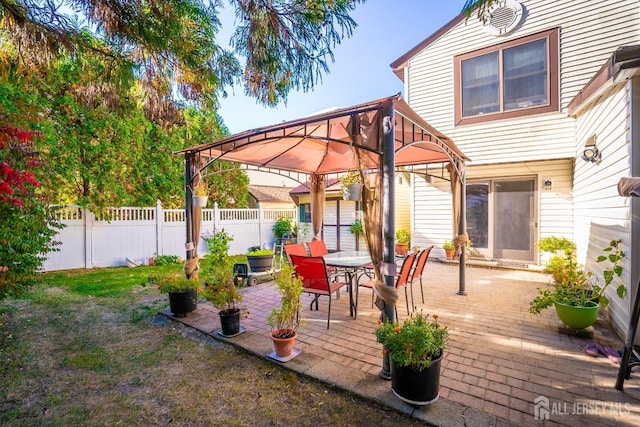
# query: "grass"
{"type": "Point", "coordinates": [86, 348]}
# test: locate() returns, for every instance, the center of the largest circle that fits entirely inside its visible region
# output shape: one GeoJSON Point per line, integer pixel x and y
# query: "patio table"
{"type": "Point", "coordinates": [351, 262]}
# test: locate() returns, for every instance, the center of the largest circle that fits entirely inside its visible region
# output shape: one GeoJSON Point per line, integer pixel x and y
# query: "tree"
{"type": "Point", "coordinates": [100, 149]}
{"type": "Point", "coordinates": [28, 224]}
{"type": "Point", "coordinates": [227, 181]}
{"type": "Point", "coordinates": [482, 6]}
{"type": "Point", "coordinates": [171, 45]}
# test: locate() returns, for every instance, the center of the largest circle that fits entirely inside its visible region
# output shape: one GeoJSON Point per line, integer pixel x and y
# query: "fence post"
{"type": "Point", "coordinates": [159, 228]}
{"type": "Point", "coordinates": [88, 238]}
{"type": "Point", "coordinates": [216, 217]}
{"type": "Point", "coordinates": [260, 221]}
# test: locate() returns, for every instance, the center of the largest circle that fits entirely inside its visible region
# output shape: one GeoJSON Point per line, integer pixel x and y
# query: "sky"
{"type": "Point", "coordinates": [386, 30]}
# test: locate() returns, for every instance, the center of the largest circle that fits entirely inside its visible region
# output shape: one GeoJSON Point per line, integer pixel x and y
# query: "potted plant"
{"type": "Point", "coordinates": [351, 183]}
{"type": "Point", "coordinates": [183, 291]}
{"type": "Point", "coordinates": [221, 289]}
{"type": "Point", "coordinates": [402, 241]}
{"type": "Point", "coordinates": [285, 319]}
{"type": "Point", "coordinates": [260, 260]}
{"type": "Point", "coordinates": [356, 228]}
{"type": "Point", "coordinates": [576, 294]}
{"type": "Point", "coordinates": [284, 228]}
{"type": "Point", "coordinates": [201, 194]}
{"type": "Point", "coordinates": [552, 246]}
{"type": "Point", "coordinates": [449, 249]}
{"type": "Point", "coordinates": [415, 351]}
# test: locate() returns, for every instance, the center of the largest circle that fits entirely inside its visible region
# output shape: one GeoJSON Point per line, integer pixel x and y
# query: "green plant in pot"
{"type": "Point", "coordinates": [403, 238]}
{"type": "Point", "coordinates": [415, 351]}
{"type": "Point", "coordinates": [449, 248]}
{"type": "Point", "coordinates": [577, 294]}
{"type": "Point", "coordinates": [201, 193]}
{"type": "Point", "coordinates": [285, 320]}
{"type": "Point", "coordinates": [356, 228]}
{"type": "Point", "coordinates": [554, 250]}
{"type": "Point", "coordinates": [183, 291]}
{"type": "Point", "coordinates": [222, 290]}
{"type": "Point", "coordinates": [351, 185]}
{"type": "Point", "coordinates": [283, 227]}
{"type": "Point", "coordinates": [260, 260]}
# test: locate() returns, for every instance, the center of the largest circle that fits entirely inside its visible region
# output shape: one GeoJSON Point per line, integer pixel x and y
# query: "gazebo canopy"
{"type": "Point", "coordinates": [323, 143]}
{"type": "Point", "coordinates": [374, 137]}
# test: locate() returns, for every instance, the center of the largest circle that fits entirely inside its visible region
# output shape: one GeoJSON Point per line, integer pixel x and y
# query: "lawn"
{"type": "Point", "coordinates": [87, 348]}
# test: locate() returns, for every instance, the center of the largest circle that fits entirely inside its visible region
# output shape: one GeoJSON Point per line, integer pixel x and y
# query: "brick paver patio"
{"type": "Point", "coordinates": [500, 358]}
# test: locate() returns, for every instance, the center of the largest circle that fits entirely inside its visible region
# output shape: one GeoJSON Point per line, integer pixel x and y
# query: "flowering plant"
{"type": "Point", "coordinates": [203, 189]}
{"type": "Point", "coordinates": [416, 343]}
{"type": "Point", "coordinates": [173, 282]}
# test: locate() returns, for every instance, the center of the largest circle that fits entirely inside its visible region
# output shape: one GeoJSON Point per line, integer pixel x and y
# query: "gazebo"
{"type": "Point", "coordinates": [373, 138]}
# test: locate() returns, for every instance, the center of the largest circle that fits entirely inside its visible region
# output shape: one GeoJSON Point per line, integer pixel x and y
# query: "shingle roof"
{"type": "Point", "coordinates": [265, 193]}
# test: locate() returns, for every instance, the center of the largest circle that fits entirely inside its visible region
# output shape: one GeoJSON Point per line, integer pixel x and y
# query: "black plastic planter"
{"type": "Point", "coordinates": [182, 303]}
{"type": "Point", "coordinates": [230, 322]}
{"type": "Point", "coordinates": [260, 263]}
{"type": "Point", "coordinates": [416, 387]}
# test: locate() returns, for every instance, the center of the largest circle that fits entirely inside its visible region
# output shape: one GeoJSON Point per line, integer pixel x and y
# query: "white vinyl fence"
{"type": "Point", "coordinates": [141, 233]}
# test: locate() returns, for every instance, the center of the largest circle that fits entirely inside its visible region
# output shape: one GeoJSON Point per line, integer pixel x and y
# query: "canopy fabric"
{"type": "Point", "coordinates": [318, 187]}
{"type": "Point", "coordinates": [325, 143]}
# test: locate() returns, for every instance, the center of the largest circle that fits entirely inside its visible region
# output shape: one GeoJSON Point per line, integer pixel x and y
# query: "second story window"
{"type": "Point", "coordinates": [516, 78]}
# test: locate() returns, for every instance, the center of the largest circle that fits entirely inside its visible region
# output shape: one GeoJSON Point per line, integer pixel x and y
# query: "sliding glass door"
{"type": "Point", "coordinates": [501, 218]}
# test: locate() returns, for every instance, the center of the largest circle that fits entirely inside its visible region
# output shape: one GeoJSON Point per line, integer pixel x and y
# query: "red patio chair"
{"type": "Point", "coordinates": [294, 249]}
{"type": "Point", "coordinates": [402, 280]}
{"type": "Point", "coordinates": [416, 274]}
{"type": "Point", "coordinates": [319, 248]}
{"type": "Point", "coordinates": [313, 272]}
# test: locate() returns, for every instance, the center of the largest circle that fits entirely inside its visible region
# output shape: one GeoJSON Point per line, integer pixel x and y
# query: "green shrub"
{"type": "Point", "coordinates": [218, 247]}
{"type": "Point", "coordinates": [166, 259]}
{"type": "Point", "coordinates": [553, 244]}
{"type": "Point", "coordinates": [260, 252]}
{"type": "Point", "coordinates": [284, 225]}
{"type": "Point", "coordinates": [27, 223]}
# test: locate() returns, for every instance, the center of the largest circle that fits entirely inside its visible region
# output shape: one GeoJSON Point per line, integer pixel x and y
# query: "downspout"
{"type": "Point", "coordinates": [634, 139]}
{"type": "Point", "coordinates": [634, 285]}
{"type": "Point", "coordinates": [388, 267]}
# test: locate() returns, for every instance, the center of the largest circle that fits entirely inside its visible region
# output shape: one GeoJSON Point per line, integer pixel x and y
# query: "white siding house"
{"type": "Point", "coordinates": [521, 102]}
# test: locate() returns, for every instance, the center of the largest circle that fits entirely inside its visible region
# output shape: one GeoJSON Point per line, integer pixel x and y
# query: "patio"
{"type": "Point", "coordinates": [500, 359]}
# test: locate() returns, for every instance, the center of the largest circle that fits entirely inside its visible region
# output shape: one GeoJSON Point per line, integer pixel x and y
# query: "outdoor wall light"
{"type": "Point", "coordinates": [547, 184]}
{"type": "Point", "coordinates": [591, 152]}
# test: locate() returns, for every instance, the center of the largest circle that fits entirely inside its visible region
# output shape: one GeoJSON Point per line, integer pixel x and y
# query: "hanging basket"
{"type": "Point", "coordinates": [352, 192]}
{"type": "Point", "coordinates": [200, 201]}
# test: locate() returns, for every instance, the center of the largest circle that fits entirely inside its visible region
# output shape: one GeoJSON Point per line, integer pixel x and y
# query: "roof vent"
{"type": "Point", "coordinates": [503, 17]}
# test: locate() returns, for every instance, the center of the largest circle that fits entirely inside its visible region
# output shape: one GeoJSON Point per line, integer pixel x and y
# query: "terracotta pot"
{"type": "Point", "coordinates": [283, 346]}
{"type": "Point", "coordinates": [402, 248]}
{"type": "Point", "coordinates": [449, 253]}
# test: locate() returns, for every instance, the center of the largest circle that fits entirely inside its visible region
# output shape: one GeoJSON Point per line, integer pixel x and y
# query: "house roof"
{"type": "Point", "coordinates": [623, 64]}
{"type": "Point", "coordinates": [332, 184]}
{"type": "Point", "coordinates": [266, 193]}
{"type": "Point", "coordinates": [399, 64]}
